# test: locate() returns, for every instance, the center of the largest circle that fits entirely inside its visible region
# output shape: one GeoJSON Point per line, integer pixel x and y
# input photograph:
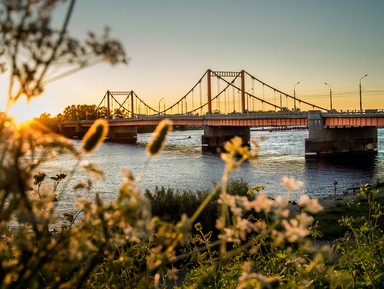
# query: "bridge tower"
{"type": "Point", "coordinates": [116, 132]}
{"type": "Point", "coordinates": [209, 92]}
{"type": "Point", "coordinates": [108, 105]}
{"type": "Point", "coordinates": [225, 74]}
{"type": "Point", "coordinates": [242, 91]}
{"type": "Point", "coordinates": [215, 137]}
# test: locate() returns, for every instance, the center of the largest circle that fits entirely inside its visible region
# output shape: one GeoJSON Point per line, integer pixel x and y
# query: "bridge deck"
{"type": "Point", "coordinates": [375, 119]}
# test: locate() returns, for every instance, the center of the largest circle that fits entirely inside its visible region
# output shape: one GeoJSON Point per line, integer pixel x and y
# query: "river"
{"type": "Point", "coordinates": [182, 166]}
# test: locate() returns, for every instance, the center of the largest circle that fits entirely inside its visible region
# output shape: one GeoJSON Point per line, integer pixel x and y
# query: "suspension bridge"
{"type": "Point", "coordinates": [216, 92]}
{"type": "Point", "coordinates": [227, 104]}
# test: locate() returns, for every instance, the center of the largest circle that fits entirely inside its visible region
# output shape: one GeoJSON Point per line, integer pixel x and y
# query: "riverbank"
{"type": "Point", "coordinates": [340, 198]}
{"type": "Point", "coordinates": [346, 204]}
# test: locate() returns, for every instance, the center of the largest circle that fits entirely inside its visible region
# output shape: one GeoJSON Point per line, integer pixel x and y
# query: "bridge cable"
{"type": "Point", "coordinates": [287, 95]}
{"type": "Point", "coordinates": [177, 103]}
{"type": "Point", "coordinates": [251, 95]}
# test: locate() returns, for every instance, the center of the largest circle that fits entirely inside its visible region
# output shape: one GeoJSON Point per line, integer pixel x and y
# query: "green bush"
{"type": "Point", "coordinates": [170, 205]}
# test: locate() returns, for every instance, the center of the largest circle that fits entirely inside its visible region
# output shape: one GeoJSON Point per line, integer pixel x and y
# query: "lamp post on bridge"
{"type": "Point", "coordinates": [161, 100]}
{"type": "Point", "coordinates": [330, 94]}
{"type": "Point", "coordinates": [361, 100]}
{"type": "Point", "coordinates": [294, 95]}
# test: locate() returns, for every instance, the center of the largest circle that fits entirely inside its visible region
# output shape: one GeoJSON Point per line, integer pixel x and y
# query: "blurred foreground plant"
{"type": "Point", "coordinates": [35, 252]}
{"type": "Point", "coordinates": [118, 244]}
{"type": "Point", "coordinates": [36, 53]}
{"type": "Point", "coordinates": [362, 247]}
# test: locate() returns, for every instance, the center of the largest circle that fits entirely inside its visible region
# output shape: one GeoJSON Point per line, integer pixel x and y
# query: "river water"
{"type": "Point", "coordinates": [182, 166]}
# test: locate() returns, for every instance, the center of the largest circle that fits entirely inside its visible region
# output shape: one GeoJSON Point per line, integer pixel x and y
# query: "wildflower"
{"type": "Point", "coordinates": [243, 227]}
{"type": "Point", "coordinates": [95, 135]}
{"type": "Point", "coordinates": [220, 223]}
{"type": "Point", "coordinates": [262, 203]}
{"type": "Point", "coordinates": [280, 209]}
{"type": "Point", "coordinates": [184, 226]}
{"type": "Point", "coordinates": [255, 149]}
{"type": "Point", "coordinates": [295, 230]}
{"type": "Point", "coordinates": [304, 219]}
{"type": "Point", "coordinates": [39, 178]}
{"type": "Point", "coordinates": [259, 226]}
{"type": "Point", "coordinates": [229, 235]}
{"type": "Point", "coordinates": [310, 205]}
{"type": "Point", "coordinates": [235, 153]}
{"type": "Point", "coordinates": [255, 280]}
{"type": "Point", "coordinates": [291, 183]}
{"type": "Point", "coordinates": [93, 168]}
{"type": "Point", "coordinates": [156, 144]}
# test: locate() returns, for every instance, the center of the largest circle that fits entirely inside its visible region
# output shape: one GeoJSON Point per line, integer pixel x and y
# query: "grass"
{"type": "Point", "coordinates": [329, 218]}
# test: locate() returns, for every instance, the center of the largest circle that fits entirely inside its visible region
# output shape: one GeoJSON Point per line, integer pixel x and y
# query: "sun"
{"type": "Point", "coordinates": [23, 111]}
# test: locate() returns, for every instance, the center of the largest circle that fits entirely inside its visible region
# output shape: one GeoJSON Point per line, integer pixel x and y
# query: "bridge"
{"type": "Point", "coordinates": [227, 104]}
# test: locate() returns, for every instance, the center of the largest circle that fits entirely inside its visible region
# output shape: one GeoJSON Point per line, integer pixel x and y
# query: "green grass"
{"type": "Point", "coordinates": [329, 218]}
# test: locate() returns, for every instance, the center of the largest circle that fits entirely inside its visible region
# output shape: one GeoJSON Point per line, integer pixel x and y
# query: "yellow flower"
{"type": "Point", "coordinates": [235, 153]}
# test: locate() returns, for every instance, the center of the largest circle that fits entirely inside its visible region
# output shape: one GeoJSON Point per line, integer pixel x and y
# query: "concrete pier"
{"type": "Point", "coordinates": [75, 131]}
{"type": "Point", "coordinates": [122, 134]}
{"type": "Point", "coordinates": [116, 132]}
{"type": "Point", "coordinates": [328, 141]}
{"type": "Point", "coordinates": [215, 137]}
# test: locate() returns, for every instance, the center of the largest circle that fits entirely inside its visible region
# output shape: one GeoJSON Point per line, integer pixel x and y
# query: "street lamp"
{"type": "Point", "coordinates": [361, 101]}
{"type": "Point", "coordinates": [159, 104]}
{"type": "Point", "coordinates": [330, 94]}
{"type": "Point", "coordinates": [294, 95]}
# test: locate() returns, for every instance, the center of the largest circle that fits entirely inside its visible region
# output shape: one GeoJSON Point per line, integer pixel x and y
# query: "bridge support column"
{"type": "Point", "coordinates": [75, 132]}
{"type": "Point", "coordinates": [215, 137]}
{"type": "Point", "coordinates": [325, 141]}
{"type": "Point", "coordinates": [122, 134]}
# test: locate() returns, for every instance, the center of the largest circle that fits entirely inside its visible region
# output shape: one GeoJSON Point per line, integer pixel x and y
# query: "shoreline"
{"type": "Point", "coordinates": [333, 200]}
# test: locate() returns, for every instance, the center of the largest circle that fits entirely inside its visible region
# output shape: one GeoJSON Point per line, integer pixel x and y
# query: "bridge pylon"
{"type": "Point", "coordinates": [209, 91]}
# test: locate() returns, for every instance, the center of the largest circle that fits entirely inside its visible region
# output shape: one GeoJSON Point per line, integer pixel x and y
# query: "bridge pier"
{"type": "Point", "coordinates": [122, 134]}
{"type": "Point", "coordinates": [215, 137]}
{"type": "Point", "coordinates": [76, 131]}
{"type": "Point", "coordinates": [328, 141]}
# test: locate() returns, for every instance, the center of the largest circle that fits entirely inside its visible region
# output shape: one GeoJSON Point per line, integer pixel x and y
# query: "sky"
{"type": "Point", "coordinates": [171, 43]}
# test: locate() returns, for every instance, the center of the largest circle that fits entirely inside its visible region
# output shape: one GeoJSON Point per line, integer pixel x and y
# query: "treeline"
{"type": "Point", "coordinates": [78, 112]}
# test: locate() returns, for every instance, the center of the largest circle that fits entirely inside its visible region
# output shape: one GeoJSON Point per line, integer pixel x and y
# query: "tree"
{"type": "Point", "coordinates": [31, 49]}
{"type": "Point", "coordinates": [120, 113]}
{"type": "Point", "coordinates": [81, 112]}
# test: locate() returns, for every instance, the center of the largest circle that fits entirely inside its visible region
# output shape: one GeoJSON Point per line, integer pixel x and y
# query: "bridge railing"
{"type": "Point", "coordinates": [250, 115]}
{"type": "Point", "coordinates": [367, 112]}
{"type": "Point", "coordinates": [259, 114]}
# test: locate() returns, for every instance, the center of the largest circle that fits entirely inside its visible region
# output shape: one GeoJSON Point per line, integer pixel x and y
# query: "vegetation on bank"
{"type": "Point", "coordinates": [360, 208]}
{"type": "Point", "coordinates": [231, 237]}
{"type": "Point", "coordinates": [169, 205]}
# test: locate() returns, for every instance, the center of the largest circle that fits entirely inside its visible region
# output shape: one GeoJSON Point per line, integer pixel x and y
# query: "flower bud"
{"type": "Point", "coordinates": [161, 133]}
{"type": "Point", "coordinates": [95, 135]}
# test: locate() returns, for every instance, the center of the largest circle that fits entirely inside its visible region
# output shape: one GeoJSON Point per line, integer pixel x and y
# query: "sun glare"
{"type": "Point", "coordinates": [22, 111]}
